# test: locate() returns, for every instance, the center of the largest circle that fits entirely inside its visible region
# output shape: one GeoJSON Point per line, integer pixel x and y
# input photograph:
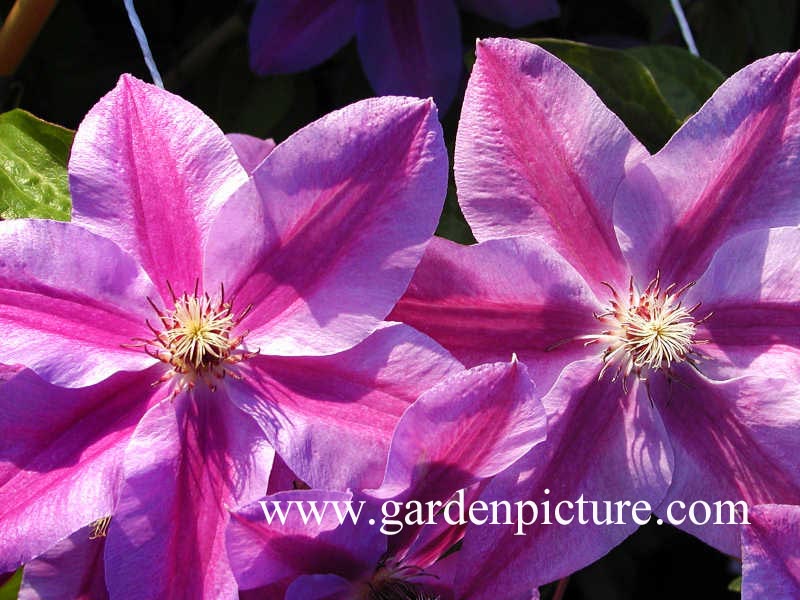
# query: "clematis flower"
{"type": "Point", "coordinates": [411, 47]}
{"type": "Point", "coordinates": [459, 433]}
{"type": "Point", "coordinates": [191, 319]}
{"type": "Point", "coordinates": [644, 292]}
{"type": "Point", "coordinates": [771, 553]}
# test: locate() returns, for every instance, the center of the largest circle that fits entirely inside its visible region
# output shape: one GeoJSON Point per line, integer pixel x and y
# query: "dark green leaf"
{"type": "Point", "coordinates": [624, 84]}
{"type": "Point", "coordinates": [722, 30]}
{"type": "Point", "coordinates": [684, 80]}
{"type": "Point", "coordinates": [10, 590]}
{"type": "Point", "coordinates": [33, 167]}
{"type": "Point", "coordinates": [736, 585]}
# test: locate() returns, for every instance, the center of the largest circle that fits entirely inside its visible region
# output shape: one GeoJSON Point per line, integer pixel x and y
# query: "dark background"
{"type": "Point", "coordinates": [200, 47]}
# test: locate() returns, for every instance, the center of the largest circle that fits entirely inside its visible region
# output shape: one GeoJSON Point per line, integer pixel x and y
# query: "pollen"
{"type": "Point", "coordinates": [648, 331]}
{"type": "Point", "coordinates": [197, 339]}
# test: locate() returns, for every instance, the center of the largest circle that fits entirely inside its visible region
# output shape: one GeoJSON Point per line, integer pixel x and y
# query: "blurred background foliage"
{"type": "Point", "coordinates": [630, 51]}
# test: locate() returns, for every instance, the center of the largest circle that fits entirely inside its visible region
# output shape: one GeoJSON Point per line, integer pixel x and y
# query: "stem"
{"type": "Point", "coordinates": [196, 59]}
{"type": "Point", "coordinates": [686, 31]}
{"type": "Point", "coordinates": [20, 29]}
{"type": "Point", "coordinates": [561, 588]}
{"type": "Point", "coordinates": [142, 39]}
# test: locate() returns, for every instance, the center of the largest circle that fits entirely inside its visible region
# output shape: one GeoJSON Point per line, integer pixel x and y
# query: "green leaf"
{"type": "Point", "coordinates": [684, 80]}
{"type": "Point", "coordinates": [721, 29]}
{"type": "Point", "coordinates": [736, 585]}
{"type": "Point", "coordinates": [624, 84]}
{"type": "Point", "coordinates": [10, 590]}
{"type": "Point", "coordinates": [33, 167]}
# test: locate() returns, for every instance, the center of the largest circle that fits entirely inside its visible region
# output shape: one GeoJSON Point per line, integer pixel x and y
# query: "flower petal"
{"type": "Point", "coordinates": [149, 170]}
{"type": "Point", "coordinates": [736, 440]}
{"type": "Point", "coordinates": [491, 300]}
{"type": "Point", "coordinates": [731, 168]}
{"type": "Point", "coordinates": [537, 152]}
{"type": "Point", "coordinates": [411, 48]}
{"type": "Point", "coordinates": [60, 455]}
{"type": "Point", "coordinates": [513, 13]}
{"type": "Point", "coordinates": [771, 553]}
{"type": "Point", "coordinates": [69, 302]}
{"type": "Point", "coordinates": [602, 444]}
{"type": "Point", "coordinates": [287, 36]}
{"type": "Point", "coordinates": [319, 587]}
{"type": "Point", "coordinates": [308, 406]}
{"type": "Point", "coordinates": [469, 427]}
{"type": "Point", "coordinates": [71, 569]}
{"type": "Point", "coordinates": [188, 462]}
{"type": "Point", "coordinates": [347, 206]}
{"type": "Point", "coordinates": [270, 555]}
{"type": "Point", "coordinates": [250, 150]}
{"type": "Point", "coordinates": [752, 291]}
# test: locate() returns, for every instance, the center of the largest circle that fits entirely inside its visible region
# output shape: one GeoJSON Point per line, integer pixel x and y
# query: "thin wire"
{"type": "Point", "coordinates": [142, 38]}
{"type": "Point", "coordinates": [684, 25]}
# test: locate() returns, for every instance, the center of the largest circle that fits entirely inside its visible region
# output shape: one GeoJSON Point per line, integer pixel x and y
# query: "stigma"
{"type": "Point", "coordinates": [648, 331]}
{"type": "Point", "coordinates": [393, 581]}
{"type": "Point", "coordinates": [196, 338]}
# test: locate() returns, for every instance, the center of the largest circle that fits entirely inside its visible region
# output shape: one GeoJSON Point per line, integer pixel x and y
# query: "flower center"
{"type": "Point", "coordinates": [395, 582]}
{"type": "Point", "coordinates": [648, 331]}
{"type": "Point", "coordinates": [196, 339]}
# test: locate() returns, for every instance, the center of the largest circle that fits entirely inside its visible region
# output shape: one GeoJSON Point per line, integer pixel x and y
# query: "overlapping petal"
{"type": "Point", "coordinates": [603, 444]}
{"type": "Point", "coordinates": [731, 168]}
{"type": "Point", "coordinates": [411, 48]}
{"type": "Point", "coordinates": [188, 462]}
{"type": "Point", "coordinates": [60, 456]}
{"type": "Point", "coordinates": [69, 314]}
{"type": "Point", "coordinates": [250, 149]}
{"type": "Point", "coordinates": [308, 405]}
{"type": "Point", "coordinates": [72, 568]}
{"type": "Point", "coordinates": [751, 289]}
{"type": "Point", "coordinates": [538, 153]}
{"type": "Point", "coordinates": [149, 171]}
{"type": "Point", "coordinates": [771, 553]}
{"type": "Point", "coordinates": [321, 255]}
{"type": "Point", "coordinates": [491, 300]}
{"type": "Point", "coordinates": [736, 440]}
{"type": "Point", "coordinates": [293, 35]}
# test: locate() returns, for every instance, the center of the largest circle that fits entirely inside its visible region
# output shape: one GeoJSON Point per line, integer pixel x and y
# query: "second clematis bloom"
{"type": "Point", "coordinates": [459, 434]}
{"type": "Point", "coordinates": [191, 318]}
{"type": "Point", "coordinates": [646, 293]}
{"type": "Point", "coordinates": [412, 47]}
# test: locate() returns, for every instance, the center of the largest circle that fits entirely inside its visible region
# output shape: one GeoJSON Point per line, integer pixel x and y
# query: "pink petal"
{"type": "Point", "coordinates": [69, 302]}
{"type": "Point", "coordinates": [309, 406]}
{"type": "Point", "coordinates": [411, 48]}
{"type": "Point", "coordinates": [272, 555]}
{"type": "Point", "coordinates": [250, 150]}
{"type": "Point", "coordinates": [731, 168]}
{"type": "Point", "coordinates": [293, 35]}
{"type": "Point", "coordinates": [491, 300]}
{"type": "Point", "coordinates": [469, 427]}
{"type": "Point", "coordinates": [733, 440]}
{"type": "Point", "coordinates": [71, 570]}
{"type": "Point", "coordinates": [347, 206]}
{"type": "Point", "coordinates": [771, 553]}
{"type": "Point", "coordinates": [148, 170]}
{"type": "Point", "coordinates": [752, 290]}
{"type": "Point", "coordinates": [538, 152]}
{"type": "Point", "coordinates": [602, 444]}
{"type": "Point", "coordinates": [188, 463]}
{"type": "Point", "coordinates": [513, 13]}
{"type": "Point", "coordinates": [60, 456]}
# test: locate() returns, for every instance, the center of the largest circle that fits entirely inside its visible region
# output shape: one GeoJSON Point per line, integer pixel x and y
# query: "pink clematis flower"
{"type": "Point", "coordinates": [191, 319]}
{"type": "Point", "coordinates": [644, 292]}
{"type": "Point", "coordinates": [411, 47]}
{"type": "Point", "coordinates": [458, 434]}
{"type": "Point", "coordinates": [771, 553]}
